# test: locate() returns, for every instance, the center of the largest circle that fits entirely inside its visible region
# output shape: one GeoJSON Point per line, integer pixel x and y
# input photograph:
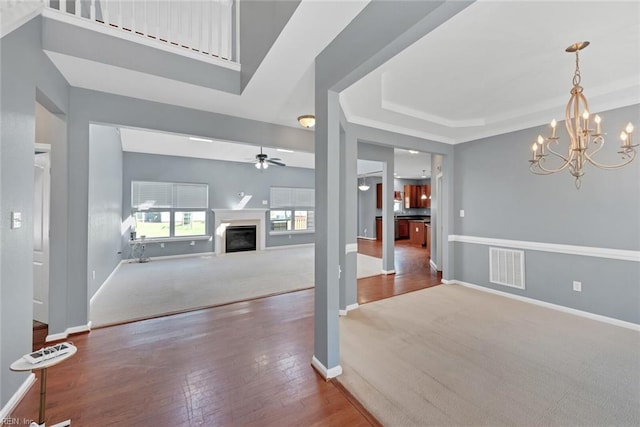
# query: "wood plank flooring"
{"type": "Point", "coordinates": [413, 271]}
{"type": "Point", "coordinates": [243, 364]}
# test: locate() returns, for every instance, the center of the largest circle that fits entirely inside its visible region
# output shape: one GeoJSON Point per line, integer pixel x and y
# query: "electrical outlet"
{"type": "Point", "coordinates": [577, 286]}
{"type": "Point", "coordinates": [193, 243]}
{"type": "Point", "coordinates": [162, 245]}
{"type": "Point", "coordinates": [265, 202]}
{"type": "Point", "coordinates": [93, 274]}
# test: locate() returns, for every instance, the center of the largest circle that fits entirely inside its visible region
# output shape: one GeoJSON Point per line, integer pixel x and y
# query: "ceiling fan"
{"type": "Point", "coordinates": [262, 161]}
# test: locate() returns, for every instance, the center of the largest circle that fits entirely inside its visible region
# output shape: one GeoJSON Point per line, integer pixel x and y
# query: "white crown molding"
{"type": "Point", "coordinates": [324, 372]}
{"type": "Point", "coordinates": [618, 254]}
{"type": "Point", "coordinates": [586, 314]}
{"type": "Point", "coordinates": [363, 121]}
{"type": "Point", "coordinates": [16, 398]}
{"type": "Point", "coordinates": [431, 118]}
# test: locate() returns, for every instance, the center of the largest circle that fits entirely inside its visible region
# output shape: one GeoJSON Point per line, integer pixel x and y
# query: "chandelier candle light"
{"type": "Point", "coordinates": [584, 142]}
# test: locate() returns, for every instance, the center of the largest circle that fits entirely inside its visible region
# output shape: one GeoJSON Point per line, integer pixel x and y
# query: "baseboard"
{"type": "Point", "coordinates": [16, 398]}
{"type": "Point", "coordinates": [349, 308]}
{"type": "Point", "coordinates": [322, 370]}
{"type": "Point", "coordinates": [69, 331]}
{"type": "Point", "coordinates": [585, 314]}
{"type": "Point", "coordinates": [105, 281]}
{"type": "Point", "coordinates": [299, 245]}
{"type": "Point", "coordinates": [366, 238]}
{"type": "Point", "coordinates": [350, 248]}
{"type": "Point", "coordinates": [159, 258]}
{"type": "Point", "coordinates": [387, 272]}
{"type": "Point", "coordinates": [433, 265]}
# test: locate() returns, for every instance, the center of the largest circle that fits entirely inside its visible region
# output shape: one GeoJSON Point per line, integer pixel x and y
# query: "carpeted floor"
{"type": "Point", "coordinates": [450, 355]}
{"type": "Point", "coordinates": [140, 291]}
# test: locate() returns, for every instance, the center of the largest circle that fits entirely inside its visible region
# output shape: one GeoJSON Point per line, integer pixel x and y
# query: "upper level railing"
{"type": "Point", "coordinates": [207, 27]}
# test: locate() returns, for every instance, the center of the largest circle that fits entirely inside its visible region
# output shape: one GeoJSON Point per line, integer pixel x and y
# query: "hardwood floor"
{"type": "Point", "coordinates": [243, 364]}
{"type": "Point", "coordinates": [413, 271]}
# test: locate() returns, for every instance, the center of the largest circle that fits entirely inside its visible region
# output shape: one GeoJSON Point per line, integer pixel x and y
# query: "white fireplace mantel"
{"type": "Point", "coordinates": [232, 217]}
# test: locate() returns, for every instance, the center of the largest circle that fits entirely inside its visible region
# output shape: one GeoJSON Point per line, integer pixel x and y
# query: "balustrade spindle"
{"type": "Point", "coordinates": [92, 10]}
{"type": "Point", "coordinates": [119, 22]}
{"type": "Point", "coordinates": [77, 8]}
{"type": "Point", "coordinates": [63, 6]}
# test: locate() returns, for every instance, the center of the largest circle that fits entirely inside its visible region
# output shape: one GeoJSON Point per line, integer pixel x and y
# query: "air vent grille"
{"type": "Point", "coordinates": [506, 267]}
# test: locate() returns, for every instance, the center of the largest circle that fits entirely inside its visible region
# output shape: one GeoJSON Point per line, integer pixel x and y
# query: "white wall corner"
{"type": "Point", "coordinates": [327, 374]}
{"type": "Point", "coordinates": [17, 397]}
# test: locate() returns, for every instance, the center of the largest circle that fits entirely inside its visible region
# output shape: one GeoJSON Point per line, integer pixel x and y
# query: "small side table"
{"type": "Point", "coordinates": [22, 365]}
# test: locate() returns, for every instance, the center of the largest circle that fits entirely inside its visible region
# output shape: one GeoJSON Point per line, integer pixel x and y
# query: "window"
{"type": "Point", "coordinates": [167, 209]}
{"type": "Point", "coordinates": [292, 209]}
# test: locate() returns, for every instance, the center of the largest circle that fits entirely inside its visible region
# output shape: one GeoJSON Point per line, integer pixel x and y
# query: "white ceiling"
{"type": "Point", "coordinates": [500, 66]}
{"type": "Point", "coordinates": [496, 67]}
{"type": "Point", "coordinates": [407, 165]}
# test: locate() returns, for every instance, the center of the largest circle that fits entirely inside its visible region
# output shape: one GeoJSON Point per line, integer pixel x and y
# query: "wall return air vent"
{"type": "Point", "coordinates": [506, 267]}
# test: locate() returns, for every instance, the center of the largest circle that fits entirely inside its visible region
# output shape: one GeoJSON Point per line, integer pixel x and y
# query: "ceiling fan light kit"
{"type": "Point", "coordinates": [263, 161]}
{"type": "Point", "coordinates": [363, 185]}
{"type": "Point", "coordinates": [584, 140]}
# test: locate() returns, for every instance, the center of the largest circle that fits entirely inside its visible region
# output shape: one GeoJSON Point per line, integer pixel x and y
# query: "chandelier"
{"type": "Point", "coordinates": [584, 141]}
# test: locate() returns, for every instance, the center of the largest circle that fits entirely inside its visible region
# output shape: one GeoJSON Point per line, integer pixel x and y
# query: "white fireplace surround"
{"type": "Point", "coordinates": [232, 217]}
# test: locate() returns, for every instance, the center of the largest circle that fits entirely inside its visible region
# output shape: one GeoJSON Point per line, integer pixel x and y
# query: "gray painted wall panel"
{"type": "Point", "coordinates": [502, 199]}
{"type": "Point", "coordinates": [261, 22]}
{"type": "Point", "coordinates": [24, 68]}
{"type": "Point", "coordinates": [105, 204]}
{"type": "Point", "coordinates": [367, 209]}
{"type": "Point", "coordinates": [225, 180]}
{"type": "Point", "coordinates": [79, 42]}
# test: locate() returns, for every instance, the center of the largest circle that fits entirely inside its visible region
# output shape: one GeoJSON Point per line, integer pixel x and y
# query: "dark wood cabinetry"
{"type": "Point", "coordinates": [378, 228]}
{"type": "Point", "coordinates": [403, 228]}
{"type": "Point", "coordinates": [417, 196]}
{"type": "Point", "coordinates": [379, 196]}
{"type": "Point", "coordinates": [416, 233]}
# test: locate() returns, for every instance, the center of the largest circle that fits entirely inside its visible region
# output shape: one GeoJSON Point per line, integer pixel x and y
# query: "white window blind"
{"type": "Point", "coordinates": [288, 197]}
{"type": "Point", "coordinates": [152, 195]}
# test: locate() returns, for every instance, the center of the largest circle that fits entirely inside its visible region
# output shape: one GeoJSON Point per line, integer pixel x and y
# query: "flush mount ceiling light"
{"type": "Point", "coordinates": [308, 121]}
{"type": "Point", "coordinates": [413, 152]}
{"type": "Point", "coordinates": [363, 185]}
{"type": "Point", "coordinates": [584, 142]}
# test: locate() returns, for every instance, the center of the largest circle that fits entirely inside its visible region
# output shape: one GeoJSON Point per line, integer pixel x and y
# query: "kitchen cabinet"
{"type": "Point", "coordinates": [379, 195]}
{"type": "Point", "coordinates": [379, 229]}
{"type": "Point", "coordinates": [416, 233]}
{"type": "Point", "coordinates": [413, 196]}
{"type": "Point", "coordinates": [403, 228]}
{"type": "Point", "coordinates": [427, 236]}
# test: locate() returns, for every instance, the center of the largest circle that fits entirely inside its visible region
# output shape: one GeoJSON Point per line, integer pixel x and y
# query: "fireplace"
{"type": "Point", "coordinates": [240, 238]}
{"type": "Point", "coordinates": [228, 218]}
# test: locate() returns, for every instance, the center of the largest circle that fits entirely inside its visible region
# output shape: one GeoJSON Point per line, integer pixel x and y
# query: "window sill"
{"type": "Point", "coordinates": [285, 233]}
{"type": "Point", "coordinates": [170, 239]}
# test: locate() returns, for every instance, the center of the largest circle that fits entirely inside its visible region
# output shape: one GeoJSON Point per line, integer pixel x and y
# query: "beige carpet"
{"type": "Point", "coordinates": [140, 291]}
{"type": "Point", "coordinates": [450, 355]}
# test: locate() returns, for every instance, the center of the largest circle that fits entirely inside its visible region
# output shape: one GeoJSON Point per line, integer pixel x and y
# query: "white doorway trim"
{"type": "Point", "coordinates": [41, 214]}
{"type": "Point", "coordinates": [439, 222]}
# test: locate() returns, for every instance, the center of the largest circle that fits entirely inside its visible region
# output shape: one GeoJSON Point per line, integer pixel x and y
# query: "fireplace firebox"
{"type": "Point", "coordinates": [240, 238]}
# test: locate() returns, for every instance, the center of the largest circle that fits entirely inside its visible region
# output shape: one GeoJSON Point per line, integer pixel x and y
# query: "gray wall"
{"type": "Point", "coordinates": [105, 204]}
{"type": "Point", "coordinates": [25, 71]}
{"type": "Point", "coordinates": [225, 180]}
{"type": "Point", "coordinates": [367, 210]}
{"type": "Point", "coordinates": [503, 200]}
{"type": "Point", "coordinates": [261, 22]}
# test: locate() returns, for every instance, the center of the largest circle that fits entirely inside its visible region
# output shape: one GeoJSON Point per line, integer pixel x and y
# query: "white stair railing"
{"type": "Point", "coordinates": [208, 27]}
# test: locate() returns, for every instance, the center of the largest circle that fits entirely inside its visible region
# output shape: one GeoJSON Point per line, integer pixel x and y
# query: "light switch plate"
{"type": "Point", "coordinates": [461, 213]}
{"type": "Point", "coordinates": [16, 220]}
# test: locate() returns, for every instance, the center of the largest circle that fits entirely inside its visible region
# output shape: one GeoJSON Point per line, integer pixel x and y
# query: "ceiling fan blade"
{"type": "Point", "coordinates": [275, 162]}
{"type": "Point", "coordinates": [276, 158]}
